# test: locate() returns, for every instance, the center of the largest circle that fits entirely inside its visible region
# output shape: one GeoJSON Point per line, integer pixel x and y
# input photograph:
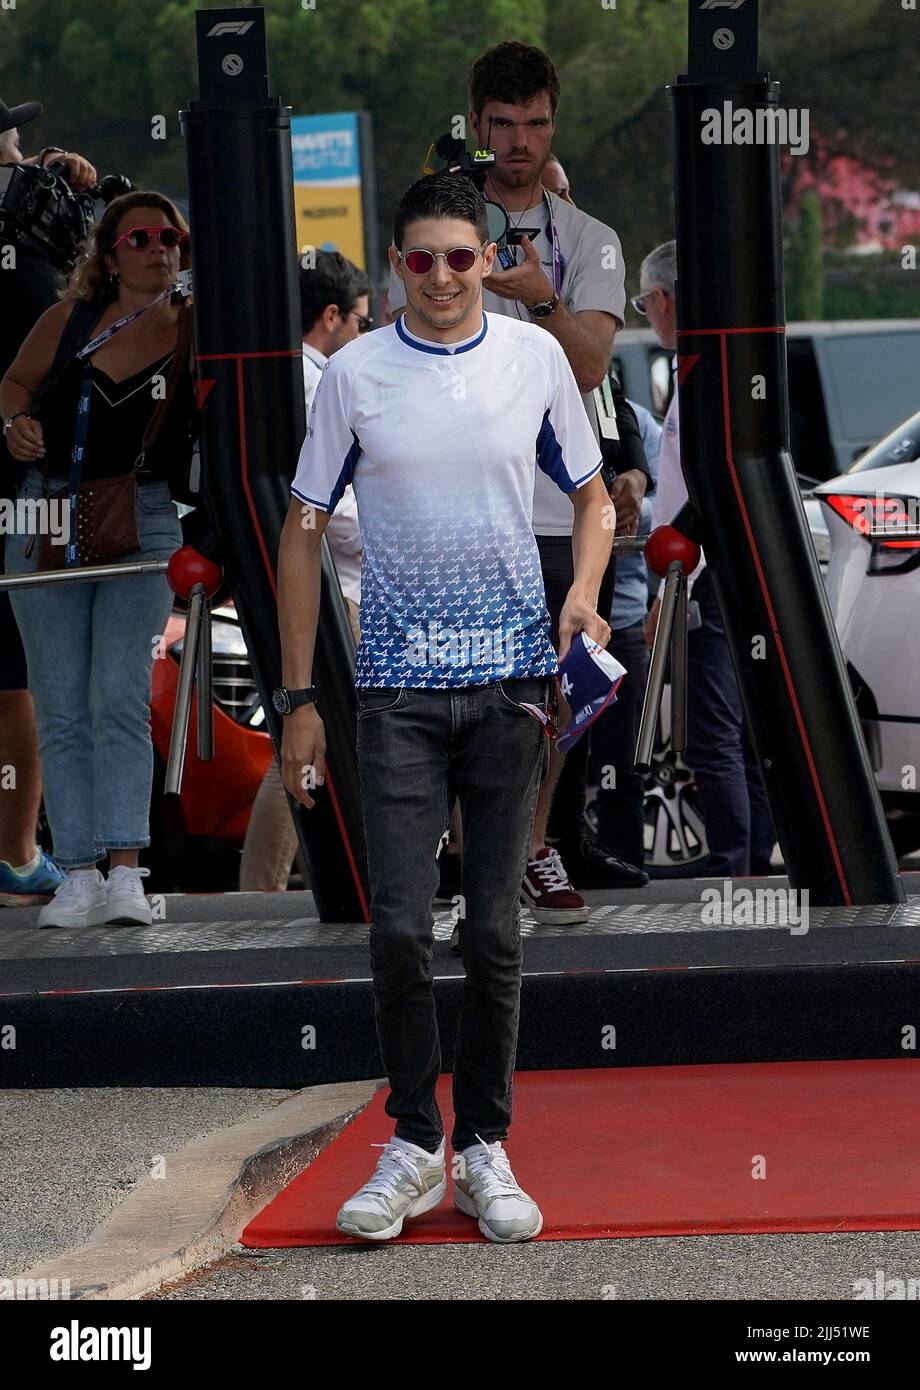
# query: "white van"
{"type": "Point", "coordinates": [850, 383]}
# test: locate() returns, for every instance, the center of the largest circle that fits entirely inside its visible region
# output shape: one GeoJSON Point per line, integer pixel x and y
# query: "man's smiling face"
{"type": "Point", "coordinates": [443, 298]}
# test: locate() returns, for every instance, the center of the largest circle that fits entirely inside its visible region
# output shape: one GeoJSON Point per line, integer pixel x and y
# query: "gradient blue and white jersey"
{"type": "Point", "coordinates": [441, 445]}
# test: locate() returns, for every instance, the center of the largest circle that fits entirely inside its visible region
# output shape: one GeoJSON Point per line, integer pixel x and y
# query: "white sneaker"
{"type": "Point", "coordinates": [408, 1181]}
{"type": "Point", "coordinates": [127, 906]}
{"type": "Point", "coordinates": [79, 902]}
{"type": "Point", "coordinates": [489, 1191]}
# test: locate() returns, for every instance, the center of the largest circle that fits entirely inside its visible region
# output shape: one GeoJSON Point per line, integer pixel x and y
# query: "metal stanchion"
{"type": "Point", "coordinates": [196, 579]}
{"type": "Point", "coordinates": [673, 555]}
{"type": "Point", "coordinates": [205, 707]}
{"type": "Point", "coordinates": [175, 763]}
{"type": "Point", "coordinates": [629, 545]}
{"type": "Point", "coordinates": [679, 663]}
{"type": "Point", "coordinates": [190, 575]}
{"type": "Point", "coordinates": [658, 665]}
{"type": "Point", "coordinates": [84, 575]}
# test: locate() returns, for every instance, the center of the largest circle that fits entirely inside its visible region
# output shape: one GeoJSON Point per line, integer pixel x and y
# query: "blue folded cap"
{"type": "Point", "coordinates": [588, 678]}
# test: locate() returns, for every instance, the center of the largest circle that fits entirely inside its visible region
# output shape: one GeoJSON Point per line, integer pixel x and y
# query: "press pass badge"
{"type": "Point", "coordinates": [589, 678]}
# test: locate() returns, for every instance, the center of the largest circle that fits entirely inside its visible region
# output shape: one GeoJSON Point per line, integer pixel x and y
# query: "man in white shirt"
{"type": "Point", "coordinates": [334, 311]}
{"type": "Point", "coordinates": [441, 421]}
{"type": "Point", "coordinates": [739, 827]}
{"type": "Point", "coordinates": [334, 307]}
{"type": "Point", "coordinates": [569, 281]}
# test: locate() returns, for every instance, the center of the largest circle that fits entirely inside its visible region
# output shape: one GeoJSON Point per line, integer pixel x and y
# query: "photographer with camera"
{"type": "Point", "coordinates": [29, 284]}
{"type": "Point", "coordinates": [99, 407]}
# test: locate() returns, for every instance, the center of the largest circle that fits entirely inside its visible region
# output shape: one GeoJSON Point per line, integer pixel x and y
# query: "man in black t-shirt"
{"type": "Point", "coordinates": [29, 284]}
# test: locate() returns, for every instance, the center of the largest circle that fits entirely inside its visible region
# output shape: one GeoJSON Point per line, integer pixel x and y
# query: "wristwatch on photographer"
{"type": "Point", "coordinates": [286, 701]}
{"type": "Point", "coordinates": [49, 149]}
{"type": "Point", "coordinates": [545, 308]}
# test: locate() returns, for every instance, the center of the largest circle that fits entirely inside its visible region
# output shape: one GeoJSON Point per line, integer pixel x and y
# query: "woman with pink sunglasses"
{"type": "Point", "coordinates": [125, 407]}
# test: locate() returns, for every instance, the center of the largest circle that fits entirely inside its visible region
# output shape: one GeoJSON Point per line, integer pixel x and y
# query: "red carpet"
{"type": "Point", "coordinates": [664, 1151]}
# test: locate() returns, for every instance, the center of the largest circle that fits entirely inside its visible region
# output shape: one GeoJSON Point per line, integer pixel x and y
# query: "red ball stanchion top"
{"type": "Point", "coordinates": [187, 568]}
{"type": "Point", "coordinates": [665, 545]}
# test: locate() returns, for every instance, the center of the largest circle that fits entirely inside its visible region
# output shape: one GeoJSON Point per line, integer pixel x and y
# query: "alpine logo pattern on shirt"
{"type": "Point", "coordinates": [442, 448]}
{"type": "Point", "coordinates": [461, 604]}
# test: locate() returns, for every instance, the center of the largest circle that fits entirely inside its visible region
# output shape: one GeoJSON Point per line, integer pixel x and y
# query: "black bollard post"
{"type": "Point", "coordinates": [248, 351]}
{"type": "Point", "coordinates": [734, 426]}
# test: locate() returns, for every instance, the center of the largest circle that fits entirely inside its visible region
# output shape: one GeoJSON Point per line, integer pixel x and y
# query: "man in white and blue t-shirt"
{"type": "Point", "coordinates": [439, 421]}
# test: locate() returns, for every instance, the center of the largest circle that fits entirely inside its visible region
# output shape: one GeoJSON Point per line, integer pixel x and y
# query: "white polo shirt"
{"type": "Point", "coordinates": [442, 445]}
{"type": "Point", "coordinates": [593, 277]}
{"type": "Point", "coordinates": [343, 532]}
{"type": "Point", "coordinates": [671, 490]}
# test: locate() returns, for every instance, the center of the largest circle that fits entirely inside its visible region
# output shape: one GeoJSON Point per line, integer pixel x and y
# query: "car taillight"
{"type": "Point", "coordinates": [890, 522]}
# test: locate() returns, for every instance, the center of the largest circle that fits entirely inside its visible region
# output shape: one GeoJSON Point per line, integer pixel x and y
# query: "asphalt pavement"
{"type": "Point", "coordinates": [692, 1268]}
{"type": "Point", "coordinates": [71, 1158]}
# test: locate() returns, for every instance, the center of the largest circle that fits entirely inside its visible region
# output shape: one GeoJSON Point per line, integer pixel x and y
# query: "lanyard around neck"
{"type": "Point", "coordinates": [557, 252]}
{"type": "Point", "coordinates": [95, 343]}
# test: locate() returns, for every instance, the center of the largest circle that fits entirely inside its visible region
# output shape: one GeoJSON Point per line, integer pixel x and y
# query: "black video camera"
{"type": "Point", "coordinates": [41, 212]}
{"type": "Point", "coordinates": [476, 166]}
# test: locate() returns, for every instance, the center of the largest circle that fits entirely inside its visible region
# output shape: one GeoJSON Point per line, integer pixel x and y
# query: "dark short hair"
{"type": "Point", "coordinates": [445, 196]}
{"type": "Point", "coordinates": [514, 73]}
{"type": "Point", "coordinates": [335, 280]}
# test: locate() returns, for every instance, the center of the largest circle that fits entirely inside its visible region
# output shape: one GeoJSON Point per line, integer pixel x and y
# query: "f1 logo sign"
{"type": "Point", "coordinates": [231, 27]}
{"type": "Point", "coordinates": [721, 4]}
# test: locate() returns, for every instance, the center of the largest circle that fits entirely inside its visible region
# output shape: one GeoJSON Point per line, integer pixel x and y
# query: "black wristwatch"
{"type": "Point", "coordinates": [285, 701]}
{"type": "Point", "coordinates": [543, 311]}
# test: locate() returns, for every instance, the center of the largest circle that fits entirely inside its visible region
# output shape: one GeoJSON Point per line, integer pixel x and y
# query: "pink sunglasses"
{"type": "Point", "coordinates": [139, 237]}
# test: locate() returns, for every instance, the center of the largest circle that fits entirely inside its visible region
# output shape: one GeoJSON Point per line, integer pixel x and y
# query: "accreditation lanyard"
{"type": "Point", "coordinates": [558, 258]}
{"type": "Point", "coordinates": [81, 427]}
{"type": "Point", "coordinates": [558, 262]}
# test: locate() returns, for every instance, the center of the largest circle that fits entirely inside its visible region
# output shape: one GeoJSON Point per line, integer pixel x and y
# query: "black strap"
{"type": "Point", "coordinates": [76, 334]}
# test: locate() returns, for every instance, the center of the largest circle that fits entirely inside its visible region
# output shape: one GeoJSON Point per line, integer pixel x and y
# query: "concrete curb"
{"type": "Point", "coordinates": [168, 1226]}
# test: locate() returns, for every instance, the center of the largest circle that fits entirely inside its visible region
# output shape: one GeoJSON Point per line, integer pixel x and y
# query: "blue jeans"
{"type": "Point", "coordinates": [417, 750]}
{"type": "Point", "coordinates": [89, 650]}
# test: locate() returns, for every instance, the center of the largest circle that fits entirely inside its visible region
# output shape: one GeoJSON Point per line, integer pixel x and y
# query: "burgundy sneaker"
{"type": "Point", "coordinates": [546, 890]}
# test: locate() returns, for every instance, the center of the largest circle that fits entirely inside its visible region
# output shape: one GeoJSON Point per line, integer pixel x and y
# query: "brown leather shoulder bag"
{"type": "Point", "coordinates": [103, 520]}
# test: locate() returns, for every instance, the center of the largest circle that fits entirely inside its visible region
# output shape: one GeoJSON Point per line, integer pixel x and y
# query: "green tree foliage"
{"type": "Point", "coordinates": [805, 262]}
{"type": "Point", "coordinates": [104, 70]}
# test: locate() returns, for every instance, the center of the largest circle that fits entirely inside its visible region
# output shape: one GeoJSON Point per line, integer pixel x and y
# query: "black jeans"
{"type": "Point", "coordinates": [621, 803]}
{"type": "Point", "coordinates": [417, 750]}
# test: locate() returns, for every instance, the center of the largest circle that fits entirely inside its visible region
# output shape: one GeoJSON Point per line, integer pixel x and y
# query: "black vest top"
{"type": "Point", "coordinates": [119, 413]}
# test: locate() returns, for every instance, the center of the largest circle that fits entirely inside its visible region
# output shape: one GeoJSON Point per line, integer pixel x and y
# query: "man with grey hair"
{"type": "Point", "coordinates": [739, 828]}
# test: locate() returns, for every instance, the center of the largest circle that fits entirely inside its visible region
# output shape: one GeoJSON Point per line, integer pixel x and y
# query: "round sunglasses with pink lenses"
{"type": "Point", "coordinates": [461, 258]}
{"type": "Point", "coordinates": [139, 237]}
